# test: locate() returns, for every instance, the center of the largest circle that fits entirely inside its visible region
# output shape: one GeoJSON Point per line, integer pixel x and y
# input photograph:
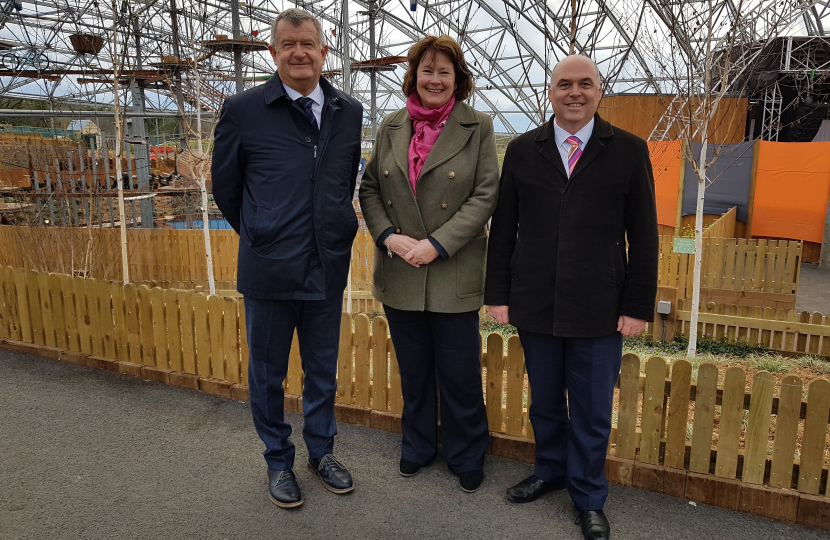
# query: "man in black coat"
{"type": "Point", "coordinates": [285, 161]}
{"type": "Point", "coordinates": [572, 191]}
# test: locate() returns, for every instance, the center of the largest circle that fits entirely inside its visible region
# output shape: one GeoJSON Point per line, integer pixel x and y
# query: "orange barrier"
{"type": "Point", "coordinates": [792, 185]}
{"type": "Point", "coordinates": [666, 162]}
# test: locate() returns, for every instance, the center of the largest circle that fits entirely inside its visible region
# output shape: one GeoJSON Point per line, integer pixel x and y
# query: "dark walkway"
{"type": "Point", "coordinates": [92, 454]}
{"type": "Point", "coordinates": [813, 289]}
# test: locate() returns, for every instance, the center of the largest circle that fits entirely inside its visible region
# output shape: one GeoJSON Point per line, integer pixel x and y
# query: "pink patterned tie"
{"type": "Point", "coordinates": [573, 153]}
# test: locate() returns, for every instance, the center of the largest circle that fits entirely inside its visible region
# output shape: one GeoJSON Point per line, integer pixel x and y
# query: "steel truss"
{"type": "Point", "coordinates": [510, 45]}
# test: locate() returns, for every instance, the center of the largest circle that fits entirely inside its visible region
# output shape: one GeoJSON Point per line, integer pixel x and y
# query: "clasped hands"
{"type": "Point", "coordinates": [415, 252]}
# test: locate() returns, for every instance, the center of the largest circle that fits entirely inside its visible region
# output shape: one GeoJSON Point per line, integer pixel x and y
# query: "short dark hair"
{"type": "Point", "coordinates": [429, 46]}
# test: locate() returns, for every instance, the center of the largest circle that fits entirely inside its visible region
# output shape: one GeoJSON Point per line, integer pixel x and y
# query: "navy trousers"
{"type": "Point", "coordinates": [440, 352]}
{"type": "Point", "coordinates": [270, 325]}
{"type": "Point", "coordinates": [572, 429]}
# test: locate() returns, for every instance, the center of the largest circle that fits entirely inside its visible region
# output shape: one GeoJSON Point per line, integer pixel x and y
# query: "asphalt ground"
{"type": "Point", "coordinates": [813, 289]}
{"type": "Point", "coordinates": [88, 454]}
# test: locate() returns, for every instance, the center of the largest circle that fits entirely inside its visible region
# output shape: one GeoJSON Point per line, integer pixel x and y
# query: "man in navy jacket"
{"type": "Point", "coordinates": [285, 161]}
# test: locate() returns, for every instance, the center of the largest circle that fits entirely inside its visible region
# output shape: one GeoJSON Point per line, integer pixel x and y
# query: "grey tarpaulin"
{"type": "Point", "coordinates": [727, 180]}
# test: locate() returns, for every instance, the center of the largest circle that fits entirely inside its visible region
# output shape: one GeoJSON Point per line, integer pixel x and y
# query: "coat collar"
{"type": "Point", "coordinates": [602, 130]}
{"type": "Point", "coordinates": [274, 89]}
{"type": "Point", "coordinates": [460, 126]}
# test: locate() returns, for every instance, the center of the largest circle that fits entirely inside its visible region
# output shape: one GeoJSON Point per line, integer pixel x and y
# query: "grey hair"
{"type": "Point", "coordinates": [297, 17]}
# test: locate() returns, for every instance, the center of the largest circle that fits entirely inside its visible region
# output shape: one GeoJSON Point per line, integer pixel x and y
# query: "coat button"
{"type": "Point", "coordinates": [389, 203]}
{"type": "Point", "coordinates": [385, 173]}
{"type": "Point", "coordinates": [397, 231]}
{"type": "Point", "coordinates": [452, 174]}
{"type": "Point", "coordinates": [444, 206]}
{"type": "Point", "coordinates": [308, 139]}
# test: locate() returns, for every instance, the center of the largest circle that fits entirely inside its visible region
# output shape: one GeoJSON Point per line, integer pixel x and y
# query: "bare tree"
{"type": "Point", "coordinates": [709, 54]}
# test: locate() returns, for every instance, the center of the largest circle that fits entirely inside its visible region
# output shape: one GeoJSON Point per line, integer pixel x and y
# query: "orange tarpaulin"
{"type": "Point", "coordinates": [665, 160]}
{"type": "Point", "coordinates": [792, 184]}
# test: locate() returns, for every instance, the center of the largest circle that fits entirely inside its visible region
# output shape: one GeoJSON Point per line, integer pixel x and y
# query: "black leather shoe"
{"type": "Point", "coordinates": [531, 488]}
{"type": "Point", "coordinates": [470, 481]}
{"type": "Point", "coordinates": [283, 489]}
{"type": "Point", "coordinates": [594, 525]}
{"type": "Point", "coordinates": [335, 476]}
{"type": "Point", "coordinates": [410, 468]}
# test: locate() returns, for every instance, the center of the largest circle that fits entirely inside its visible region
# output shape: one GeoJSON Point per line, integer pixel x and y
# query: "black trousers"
{"type": "Point", "coordinates": [441, 352]}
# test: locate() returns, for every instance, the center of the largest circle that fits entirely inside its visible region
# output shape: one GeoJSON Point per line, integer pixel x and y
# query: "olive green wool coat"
{"type": "Point", "coordinates": [457, 193]}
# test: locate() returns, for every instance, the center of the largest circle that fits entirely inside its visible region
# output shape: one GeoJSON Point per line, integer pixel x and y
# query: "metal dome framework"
{"type": "Point", "coordinates": [510, 46]}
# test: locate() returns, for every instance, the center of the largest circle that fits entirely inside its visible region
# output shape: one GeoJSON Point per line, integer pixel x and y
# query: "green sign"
{"type": "Point", "coordinates": [684, 245]}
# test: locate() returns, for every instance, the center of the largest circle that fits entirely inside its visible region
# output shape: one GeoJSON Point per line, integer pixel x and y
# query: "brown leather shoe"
{"type": "Point", "coordinates": [531, 488]}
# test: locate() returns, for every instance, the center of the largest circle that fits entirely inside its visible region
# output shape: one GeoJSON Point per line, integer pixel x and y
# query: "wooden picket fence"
{"type": "Point", "coordinates": [780, 330]}
{"type": "Point", "coordinates": [192, 333]}
{"type": "Point", "coordinates": [736, 270]}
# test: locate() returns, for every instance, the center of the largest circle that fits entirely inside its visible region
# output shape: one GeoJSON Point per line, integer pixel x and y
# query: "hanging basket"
{"type": "Point", "coordinates": [86, 43]}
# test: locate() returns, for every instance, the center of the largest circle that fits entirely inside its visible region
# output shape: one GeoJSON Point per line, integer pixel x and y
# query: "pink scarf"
{"type": "Point", "coordinates": [427, 125]}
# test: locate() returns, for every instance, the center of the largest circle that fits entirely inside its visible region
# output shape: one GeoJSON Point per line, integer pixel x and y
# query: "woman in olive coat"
{"type": "Point", "coordinates": [427, 193]}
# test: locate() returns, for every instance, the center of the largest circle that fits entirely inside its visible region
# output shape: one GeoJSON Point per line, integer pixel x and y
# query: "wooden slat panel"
{"type": "Point", "coordinates": [730, 422]}
{"type": "Point", "coordinates": [395, 393]}
{"type": "Point", "coordinates": [345, 389]}
{"type": "Point", "coordinates": [652, 413]}
{"type": "Point", "coordinates": [790, 337]}
{"type": "Point", "coordinates": [791, 268]}
{"type": "Point", "coordinates": [758, 276]}
{"type": "Point", "coordinates": [813, 344]}
{"type": "Point", "coordinates": [105, 317]}
{"type": "Point", "coordinates": [380, 368]}
{"type": "Point", "coordinates": [145, 315]}
{"type": "Point", "coordinates": [362, 393]}
{"type": "Point", "coordinates": [131, 317]}
{"type": "Point", "coordinates": [801, 338]}
{"type": "Point", "coordinates": [243, 336]}
{"type": "Point", "coordinates": [230, 339]}
{"type": "Point", "coordinates": [495, 380]}
{"type": "Point", "coordinates": [12, 305]}
{"type": "Point", "coordinates": [813, 441]}
{"type": "Point", "coordinates": [769, 266]}
{"type": "Point", "coordinates": [173, 328]}
{"type": "Point", "coordinates": [627, 409]}
{"type": "Point", "coordinates": [33, 297]}
{"type": "Point", "coordinates": [515, 367]}
{"type": "Point", "coordinates": [188, 332]}
{"type": "Point", "coordinates": [294, 378]}
{"type": "Point", "coordinates": [46, 309]}
{"type": "Point", "coordinates": [217, 353]}
{"type": "Point", "coordinates": [719, 255]}
{"type": "Point", "coordinates": [122, 351]}
{"type": "Point", "coordinates": [203, 346]}
{"type": "Point", "coordinates": [757, 428]}
{"type": "Point", "coordinates": [59, 321]}
{"type": "Point", "coordinates": [160, 337]}
{"type": "Point", "coordinates": [740, 264]}
{"type": "Point", "coordinates": [82, 315]}
{"type": "Point", "coordinates": [704, 421]}
{"type": "Point", "coordinates": [95, 327]}
{"type": "Point", "coordinates": [786, 432]}
{"type": "Point", "coordinates": [681, 382]}
{"type": "Point", "coordinates": [5, 316]}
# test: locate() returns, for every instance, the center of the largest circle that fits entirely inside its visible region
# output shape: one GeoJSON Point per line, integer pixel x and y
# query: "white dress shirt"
{"type": "Point", "coordinates": [560, 135]}
{"type": "Point", "coordinates": [316, 96]}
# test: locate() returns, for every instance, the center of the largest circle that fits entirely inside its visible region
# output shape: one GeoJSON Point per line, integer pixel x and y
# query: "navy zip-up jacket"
{"type": "Point", "coordinates": [287, 192]}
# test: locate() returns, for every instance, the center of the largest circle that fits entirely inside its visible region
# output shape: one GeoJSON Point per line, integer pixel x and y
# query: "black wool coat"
{"type": "Point", "coordinates": [288, 192]}
{"type": "Point", "coordinates": [557, 254]}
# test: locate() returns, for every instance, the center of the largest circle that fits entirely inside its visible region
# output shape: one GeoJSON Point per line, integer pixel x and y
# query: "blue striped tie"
{"type": "Point", "coordinates": [306, 104]}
